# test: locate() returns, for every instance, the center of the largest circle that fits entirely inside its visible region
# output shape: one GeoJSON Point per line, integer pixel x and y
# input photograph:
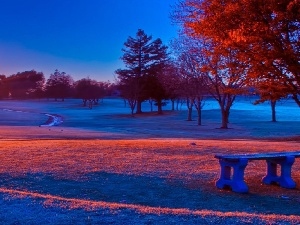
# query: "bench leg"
{"type": "Point", "coordinates": [285, 179]}
{"type": "Point", "coordinates": [235, 180]}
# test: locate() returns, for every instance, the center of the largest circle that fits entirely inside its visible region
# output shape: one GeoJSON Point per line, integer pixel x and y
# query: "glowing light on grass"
{"type": "Point", "coordinates": [168, 158]}
{"type": "Point", "coordinates": [72, 203]}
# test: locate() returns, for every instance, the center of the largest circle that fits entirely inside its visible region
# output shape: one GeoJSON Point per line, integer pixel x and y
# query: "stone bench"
{"type": "Point", "coordinates": [233, 167]}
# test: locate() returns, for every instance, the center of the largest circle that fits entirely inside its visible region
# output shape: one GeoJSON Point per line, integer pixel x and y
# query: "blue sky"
{"type": "Point", "coordinates": [80, 37]}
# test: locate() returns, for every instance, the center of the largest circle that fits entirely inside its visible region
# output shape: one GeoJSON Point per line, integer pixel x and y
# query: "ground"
{"type": "Point", "coordinates": [103, 166]}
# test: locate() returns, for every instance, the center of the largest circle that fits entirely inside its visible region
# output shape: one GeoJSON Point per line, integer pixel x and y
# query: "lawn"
{"type": "Point", "coordinates": [103, 166]}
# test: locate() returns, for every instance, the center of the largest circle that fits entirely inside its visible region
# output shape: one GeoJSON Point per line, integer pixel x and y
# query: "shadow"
{"type": "Point", "coordinates": [150, 191]}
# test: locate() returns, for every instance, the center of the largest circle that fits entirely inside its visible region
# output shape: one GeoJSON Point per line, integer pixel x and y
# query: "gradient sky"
{"type": "Point", "coordinates": [80, 37]}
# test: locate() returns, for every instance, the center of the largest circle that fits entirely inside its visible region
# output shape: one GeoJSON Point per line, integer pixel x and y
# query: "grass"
{"type": "Point", "coordinates": [158, 176]}
{"type": "Point", "coordinates": [146, 169]}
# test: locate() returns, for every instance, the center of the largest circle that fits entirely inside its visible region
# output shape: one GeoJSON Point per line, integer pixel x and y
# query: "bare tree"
{"type": "Point", "coordinates": [225, 70]}
{"type": "Point", "coordinates": [193, 79]}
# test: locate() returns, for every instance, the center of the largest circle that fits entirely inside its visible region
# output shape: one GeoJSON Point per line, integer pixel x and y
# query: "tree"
{"type": "Point", "coordinates": [89, 90]}
{"type": "Point", "coordinates": [223, 65]}
{"type": "Point", "coordinates": [193, 79]}
{"type": "Point", "coordinates": [170, 81]}
{"type": "Point", "coordinates": [3, 87]}
{"type": "Point", "coordinates": [265, 32]}
{"type": "Point", "coordinates": [129, 90]}
{"type": "Point", "coordinates": [272, 92]}
{"type": "Point", "coordinates": [142, 57]}
{"type": "Point", "coordinates": [155, 88]}
{"type": "Point", "coordinates": [156, 91]}
{"type": "Point", "coordinates": [59, 85]}
{"type": "Point", "coordinates": [24, 84]}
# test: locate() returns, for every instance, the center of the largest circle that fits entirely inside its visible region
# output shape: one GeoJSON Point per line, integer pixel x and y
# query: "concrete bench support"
{"type": "Point", "coordinates": [285, 179]}
{"type": "Point", "coordinates": [232, 175]}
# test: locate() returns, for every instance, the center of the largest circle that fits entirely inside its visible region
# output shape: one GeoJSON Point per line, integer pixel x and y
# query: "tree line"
{"type": "Point", "coordinates": [32, 84]}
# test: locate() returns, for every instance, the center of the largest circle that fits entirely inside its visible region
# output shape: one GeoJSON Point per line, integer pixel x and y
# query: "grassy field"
{"type": "Point", "coordinates": [144, 170]}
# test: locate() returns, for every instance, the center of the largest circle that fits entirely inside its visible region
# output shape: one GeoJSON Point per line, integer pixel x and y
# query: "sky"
{"type": "Point", "coordinates": [83, 38]}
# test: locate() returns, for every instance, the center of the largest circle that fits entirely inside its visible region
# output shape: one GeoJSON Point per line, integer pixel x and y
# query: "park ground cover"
{"type": "Point", "coordinates": [127, 173]}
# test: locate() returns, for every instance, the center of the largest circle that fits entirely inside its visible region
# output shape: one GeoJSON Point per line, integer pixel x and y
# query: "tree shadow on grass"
{"type": "Point", "coordinates": [149, 191]}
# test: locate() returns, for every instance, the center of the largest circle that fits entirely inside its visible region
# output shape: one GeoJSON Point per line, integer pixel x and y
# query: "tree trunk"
{"type": "Point", "coordinates": [138, 107]}
{"type": "Point", "coordinates": [159, 107]}
{"type": "Point", "coordinates": [225, 115]}
{"type": "Point", "coordinates": [198, 106]}
{"type": "Point", "coordinates": [84, 102]}
{"type": "Point", "coordinates": [177, 104]}
{"type": "Point", "coordinates": [189, 114]}
{"type": "Point", "coordinates": [296, 99]}
{"type": "Point", "coordinates": [173, 105]}
{"type": "Point", "coordinates": [132, 104]}
{"type": "Point", "coordinates": [189, 104]}
{"type": "Point", "coordinates": [273, 105]}
{"type": "Point", "coordinates": [151, 104]}
{"type": "Point", "coordinates": [90, 104]}
{"type": "Point", "coordinates": [199, 116]}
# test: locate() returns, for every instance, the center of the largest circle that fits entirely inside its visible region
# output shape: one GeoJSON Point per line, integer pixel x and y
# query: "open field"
{"type": "Point", "coordinates": [103, 166]}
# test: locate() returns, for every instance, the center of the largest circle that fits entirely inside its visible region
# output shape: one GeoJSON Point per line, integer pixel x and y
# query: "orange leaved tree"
{"type": "Point", "coordinates": [266, 34]}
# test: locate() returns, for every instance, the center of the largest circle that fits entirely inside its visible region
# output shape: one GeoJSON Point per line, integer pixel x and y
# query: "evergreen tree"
{"type": "Point", "coordinates": [59, 85]}
{"type": "Point", "coordinates": [142, 58]}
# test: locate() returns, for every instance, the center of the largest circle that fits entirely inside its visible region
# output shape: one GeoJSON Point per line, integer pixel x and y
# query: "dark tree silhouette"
{"type": "Point", "coordinates": [170, 81]}
{"type": "Point", "coordinates": [129, 90]}
{"type": "Point", "coordinates": [142, 58]}
{"type": "Point", "coordinates": [3, 87]}
{"type": "Point", "coordinates": [89, 90]}
{"type": "Point", "coordinates": [59, 85]}
{"type": "Point", "coordinates": [25, 84]}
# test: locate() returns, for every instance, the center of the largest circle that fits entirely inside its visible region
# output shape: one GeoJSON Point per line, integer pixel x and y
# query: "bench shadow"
{"type": "Point", "coordinates": [149, 191]}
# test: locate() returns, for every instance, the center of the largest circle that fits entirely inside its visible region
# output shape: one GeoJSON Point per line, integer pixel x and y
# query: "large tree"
{"type": "Point", "coordinates": [141, 56]}
{"type": "Point", "coordinates": [272, 92]}
{"type": "Point", "coordinates": [155, 87]}
{"type": "Point", "coordinates": [171, 82]}
{"type": "Point", "coordinates": [59, 85]}
{"type": "Point", "coordinates": [193, 79]}
{"type": "Point", "coordinates": [90, 90]}
{"type": "Point", "coordinates": [265, 32]}
{"type": "Point", "coordinates": [3, 87]}
{"type": "Point", "coordinates": [24, 84]}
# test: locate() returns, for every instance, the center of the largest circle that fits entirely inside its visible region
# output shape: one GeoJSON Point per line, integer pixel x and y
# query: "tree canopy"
{"type": "Point", "coordinates": [88, 89]}
{"type": "Point", "coordinates": [23, 84]}
{"type": "Point", "coordinates": [265, 33]}
{"type": "Point", "coordinates": [59, 85]}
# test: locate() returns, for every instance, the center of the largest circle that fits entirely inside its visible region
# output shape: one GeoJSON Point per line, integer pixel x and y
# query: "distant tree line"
{"type": "Point", "coordinates": [32, 84]}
